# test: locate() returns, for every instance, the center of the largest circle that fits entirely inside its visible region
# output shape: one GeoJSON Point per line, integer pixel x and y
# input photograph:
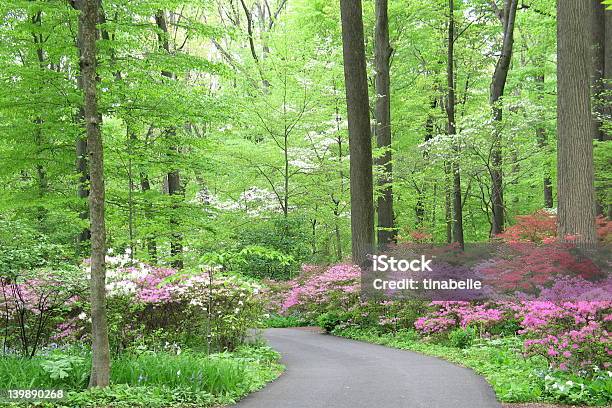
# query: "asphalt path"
{"type": "Point", "coordinates": [324, 371]}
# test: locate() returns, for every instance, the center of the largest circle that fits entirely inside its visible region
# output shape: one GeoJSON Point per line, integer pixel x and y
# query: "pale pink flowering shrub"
{"type": "Point", "coordinates": [314, 293]}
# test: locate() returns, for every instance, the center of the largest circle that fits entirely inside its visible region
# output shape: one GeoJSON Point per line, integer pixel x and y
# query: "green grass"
{"type": "Point", "coordinates": [148, 379]}
{"type": "Point", "coordinates": [513, 377]}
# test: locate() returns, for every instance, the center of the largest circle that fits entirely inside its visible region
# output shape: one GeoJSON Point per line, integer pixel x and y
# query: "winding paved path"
{"type": "Point", "coordinates": [330, 372]}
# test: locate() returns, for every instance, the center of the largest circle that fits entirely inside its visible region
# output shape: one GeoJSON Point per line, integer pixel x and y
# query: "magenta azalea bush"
{"type": "Point", "coordinates": [571, 335]}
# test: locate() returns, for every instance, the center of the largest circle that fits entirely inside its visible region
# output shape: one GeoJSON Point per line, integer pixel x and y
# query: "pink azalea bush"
{"type": "Point", "coordinates": [320, 289]}
{"type": "Point", "coordinates": [34, 304]}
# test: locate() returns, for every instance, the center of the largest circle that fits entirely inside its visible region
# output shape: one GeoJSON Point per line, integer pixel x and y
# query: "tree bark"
{"type": "Point", "coordinates": [452, 130]}
{"type": "Point", "coordinates": [173, 177]}
{"type": "Point", "coordinates": [498, 84]}
{"type": "Point", "coordinates": [382, 54]}
{"type": "Point", "coordinates": [88, 34]}
{"type": "Point", "coordinates": [360, 142]}
{"type": "Point", "coordinates": [81, 164]}
{"type": "Point", "coordinates": [576, 193]}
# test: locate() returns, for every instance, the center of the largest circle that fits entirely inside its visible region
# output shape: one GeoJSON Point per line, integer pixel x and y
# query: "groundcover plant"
{"type": "Point", "coordinates": [186, 181]}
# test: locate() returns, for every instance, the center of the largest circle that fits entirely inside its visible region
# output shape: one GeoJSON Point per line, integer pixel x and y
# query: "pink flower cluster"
{"type": "Point", "coordinates": [152, 288]}
{"type": "Point", "coordinates": [571, 335]}
{"type": "Point", "coordinates": [318, 288]}
{"type": "Point", "coordinates": [448, 315]}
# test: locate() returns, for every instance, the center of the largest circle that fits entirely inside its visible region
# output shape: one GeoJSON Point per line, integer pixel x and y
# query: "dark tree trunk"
{"type": "Point", "coordinates": [498, 84]}
{"type": "Point", "coordinates": [145, 186]}
{"type": "Point", "coordinates": [88, 34]}
{"type": "Point", "coordinates": [448, 207]}
{"type": "Point", "coordinates": [81, 165]}
{"type": "Point", "coordinates": [576, 193]}
{"type": "Point", "coordinates": [382, 51]}
{"type": "Point", "coordinates": [360, 139]}
{"type": "Point", "coordinates": [452, 130]}
{"type": "Point", "coordinates": [419, 208]}
{"type": "Point", "coordinates": [173, 177]}
{"type": "Point", "coordinates": [542, 139]}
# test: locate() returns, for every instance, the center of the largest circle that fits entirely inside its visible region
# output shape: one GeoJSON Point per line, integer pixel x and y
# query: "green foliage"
{"type": "Point", "coordinates": [146, 379]}
{"type": "Point", "coordinates": [330, 320]}
{"type": "Point", "coordinates": [462, 338]}
{"type": "Point", "coordinates": [284, 321]}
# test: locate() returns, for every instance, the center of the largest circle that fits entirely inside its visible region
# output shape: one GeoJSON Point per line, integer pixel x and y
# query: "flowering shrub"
{"type": "Point", "coordinates": [570, 335]}
{"type": "Point", "coordinates": [541, 226]}
{"type": "Point", "coordinates": [318, 290]}
{"type": "Point", "coordinates": [34, 304]}
{"type": "Point", "coordinates": [145, 304]}
{"type": "Point", "coordinates": [450, 315]}
{"type": "Point", "coordinates": [201, 307]}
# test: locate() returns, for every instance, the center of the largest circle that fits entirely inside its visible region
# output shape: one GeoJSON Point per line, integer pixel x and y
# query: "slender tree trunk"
{"type": "Point", "coordinates": [419, 208]}
{"type": "Point", "coordinates": [498, 84]}
{"type": "Point", "coordinates": [448, 208]}
{"type": "Point", "coordinates": [81, 165]}
{"type": "Point", "coordinates": [173, 177]}
{"type": "Point", "coordinates": [360, 142]}
{"type": "Point", "coordinates": [88, 33]}
{"type": "Point", "coordinates": [576, 193]}
{"type": "Point", "coordinates": [452, 130]}
{"type": "Point", "coordinates": [382, 51]}
{"type": "Point", "coordinates": [542, 139]}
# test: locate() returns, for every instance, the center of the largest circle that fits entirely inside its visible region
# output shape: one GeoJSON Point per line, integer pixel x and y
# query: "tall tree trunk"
{"type": "Point", "coordinates": [542, 139]}
{"type": "Point", "coordinates": [88, 33]}
{"type": "Point", "coordinates": [173, 177]}
{"type": "Point", "coordinates": [452, 130]}
{"type": "Point", "coordinates": [576, 193]}
{"type": "Point", "coordinates": [448, 207]}
{"type": "Point", "coordinates": [81, 164]}
{"type": "Point", "coordinates": [498, 83]}
{"type": "Point", "coordinates": [360, 142]}
{"type": "Point", "coordinates": [382, 54]}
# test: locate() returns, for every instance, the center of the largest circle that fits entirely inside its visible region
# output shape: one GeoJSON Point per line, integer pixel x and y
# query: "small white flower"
{"type": "Point", "coordinates": [178, 373]}
{"type": "Point", "coordinates": [82, 316]}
